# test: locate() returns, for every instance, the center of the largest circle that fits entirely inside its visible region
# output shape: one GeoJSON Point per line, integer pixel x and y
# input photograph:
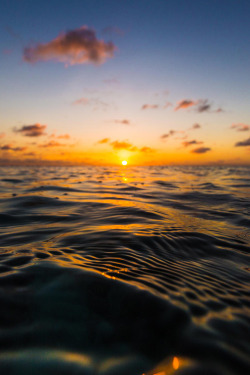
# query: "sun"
{"type": "Point", "coordinates": [124, 162]}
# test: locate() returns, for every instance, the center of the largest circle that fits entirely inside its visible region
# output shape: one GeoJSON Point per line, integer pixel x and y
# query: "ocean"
{"type": "Point", "coordinates": [124, 271]}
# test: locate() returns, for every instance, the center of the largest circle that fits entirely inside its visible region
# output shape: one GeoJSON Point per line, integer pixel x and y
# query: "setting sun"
{"type": "Point", "coordinates": [124, 162]}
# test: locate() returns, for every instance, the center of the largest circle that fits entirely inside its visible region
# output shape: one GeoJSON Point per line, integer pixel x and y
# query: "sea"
{"type": "Point", "coordinates": [124, 270]}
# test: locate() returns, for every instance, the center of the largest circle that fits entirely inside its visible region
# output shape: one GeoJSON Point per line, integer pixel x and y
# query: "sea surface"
{"type": "Point", "coordinates": [124, 271]}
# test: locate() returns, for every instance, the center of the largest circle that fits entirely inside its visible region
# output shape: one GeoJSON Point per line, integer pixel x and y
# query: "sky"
{"type": "Point", "coordinates": [152, 82]}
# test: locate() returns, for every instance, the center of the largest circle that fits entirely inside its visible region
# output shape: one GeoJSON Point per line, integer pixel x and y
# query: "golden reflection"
{"type": "Point", "coordinates": [176, 363]}
{"type": "Point", "coordinates": [169, 366]}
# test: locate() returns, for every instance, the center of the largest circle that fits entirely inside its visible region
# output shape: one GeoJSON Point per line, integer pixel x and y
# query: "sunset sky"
{"type": "Point", "coordinates": [147, 81]}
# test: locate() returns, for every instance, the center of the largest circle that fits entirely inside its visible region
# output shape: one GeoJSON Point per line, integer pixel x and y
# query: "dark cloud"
{"type": "Point", "coordinates": [169, 134]}
{"type": "Point", "coordinates": [193, 142]}
{"type": "Point", "coordinates": [35, 130]}
{"type": "Point", "coordinates": [243, 143]}
{"type": "Point", "coordinates": [203, 106]}
{"type": "Point", "coordinates": [104, 140]}
{"type": "Point", "coordinates": [10, 148]}
{"type": "Point", "coordinates": [183, 104]}
{"type": "Point", "coordinates": [240, 127]}
{"type": "Point", "coordinates": [150, 106]}
{"type": "Point", "coordinates": [79, 46]}
{"type": "Point", "coordinates": [6, 147]}
{"type": "Point", "coordinates": [201, 150]}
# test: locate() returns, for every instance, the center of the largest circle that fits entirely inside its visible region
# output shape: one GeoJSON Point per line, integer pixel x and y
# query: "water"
{"type": "Point", "coordinates": [124, 270]}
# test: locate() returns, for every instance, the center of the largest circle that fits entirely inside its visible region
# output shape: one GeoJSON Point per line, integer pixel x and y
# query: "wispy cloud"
{"type": "Point", "coordinates": [125, 145]}
{"type": "Point", "coordinates": [193, 142]}
{"type": "Point", "coordinates": [61, 136]}
{"type": "Point", "coordinates": [124, 122]}
{"type": "Point", "coordinates": [79, 46]}
{"type": "Point", "coordinates": [110, 30]}
{"type": "Point", "coordinates": [35, 130]}
{"type": "Point", "coordinates": [52, 144]}
{"type": "Point", "coordinates": [104, 140]}
{"type": "Point", "coordinates": [201, 150]}
{"type": "Point", "coordinates": [243, 143]}
{"type": "Point", "coordinates": [240, 127]}
{"type": "Point", "coordinates": [147, 149]}
{"type": "Point", "coordinates": [150, 106]}
{"type": "Point", "coordinates": [82, 101]}
{"type": "Point", "coordinates": [111, 81]}
{"type": "Point", "coordinates": [167, 104]}
{"type": "Point", "coordinates": [183, 104]}
{"type": "Point", "coordinates": [95, 103]}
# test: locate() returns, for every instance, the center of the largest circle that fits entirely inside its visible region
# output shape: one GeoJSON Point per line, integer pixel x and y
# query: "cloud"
{"type": "Point", "coordinates": [201, 150]}
{"type": "Point", "coordinates": [147, 149]}
{"type": "Point", "coordinates": [150, 106]}
{"type": "Point", "coordinates": [82, 101]}
{"type": "Point", "coordinates": [219, 110]}
{"type": "Point", "coordinates": [6, 147]}
{"type": "Point", "coordinates": [183, 104]}
{"type": "Point", "coordinates": [169, 134]}
{"type": "Point", "coordinates": [243, 143]}
{"type": "Point", "coordinates": [19, 148]}
{"type": "Point", "coordinates": [203, 106]}
{"type": "Point", "coordinates": [113, 30]}
{"type": "Point", "coordinates": [95, 103]}
{"type": "Point", "coordinates": [240, 127]}
{"type": "Point", "coordinates": [2, 135]}
{"type": "Point", "coordinates": [167, 104]}
{"type": "Point", "coordinates": [10, 148]}
{"type": "Point", "coordinates": [104, 140]}
{"type": "Point", "coordinates": [124, 122]}
{"type": "Point", "coordinates": [193, 142]}
{"type": "Point", "coordinates": [196, 126]}
{"type": "Point", "coordinates": [123, 145]}
{"type": "Point", "coordinates": [79, 46]}
{"type": "Point", "coordinates": [35, 130]}
{"type": "Point", "coordinates": [111, 81]}
{"type": "Point", "coordinates": [52, 144]}
{"type": "Point", "coordinates": [61, 136]}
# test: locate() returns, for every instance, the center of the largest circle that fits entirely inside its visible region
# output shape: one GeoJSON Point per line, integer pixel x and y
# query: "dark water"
{"type": "Point", "coordinates": [124, 271]}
